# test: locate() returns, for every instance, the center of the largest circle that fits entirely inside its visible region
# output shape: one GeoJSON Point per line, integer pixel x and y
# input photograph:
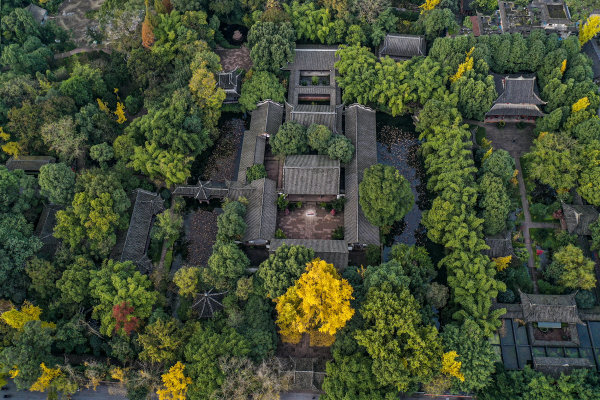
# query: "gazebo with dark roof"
{"type": "Point", "coordinates": [403, 47]}
{"type": "Point", "coordinates": [549, 308]}
{"type": "Point", "coordinates": [517, 103]}
{"type": "Point", "coordinates": [579, 217]}
{"type": "Point", "coordinates": [208, 303]}
{"type": "Point", "coordinates": [230, 82]}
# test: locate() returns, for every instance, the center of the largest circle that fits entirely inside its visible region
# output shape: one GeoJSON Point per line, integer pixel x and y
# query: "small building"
{"type": "Point", "coordinates": [147, 205]}
{"type": "Point", "coordinates": [333, 251]}
{"type": "Point", "coordinates": [550, 15]}
{"type": "Point", "coordinates": [208, 303]}
{"type": "Point", "coordinates": [518, 102]}
{"type": "Point", "coordinates": [30, 164]}
{"type": "Point", "coordinates": [403, 47]}
{"type": "Point", "coordinates": [265, 122]}
{"type": "Point", "coordinates": [314, 96]}
{"type": "Point", "coordinates": [549, 309]}
{"type": "Point", "coordinates": [308, 174]}
{"type": "Point", "coordinates": [39, 14]}
{"type": "Point", "coordinates": [231, 83]}
{"type": "Point", "coordinates": [360, 129]}
{"type": "Point", "coordinates": [500, 246]}
{"type": "Point", "coordinates": [555, 366]}
{"type": "Point", "coordinates": [261, 210]}
{"type": "Point", "coordinates": [44, 229]}
{"type": "Point", "coordinates": [579, 217]}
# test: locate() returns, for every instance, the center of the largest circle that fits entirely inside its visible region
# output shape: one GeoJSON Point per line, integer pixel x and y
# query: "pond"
{"type": "Point", "coordinates": [234, 34]}
{"type": "Point", "coordinates": [398, 146]}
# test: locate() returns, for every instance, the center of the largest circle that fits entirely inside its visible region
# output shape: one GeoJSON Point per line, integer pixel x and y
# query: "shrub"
{"type": "Point", "coordinates": [338, 233]}
{"type": "Point", "coordinates": [373, 254]}
{"type": "Point", "coordinates": [585, 299]}
{"type": "Point", "coordinates": [257, 171]}
{"type": "Point", "coordinates": [282, 202]}
{"type": "Point", "coordinates": [279, 234]}
{"type": "Point", "coordinates": [507, 296]}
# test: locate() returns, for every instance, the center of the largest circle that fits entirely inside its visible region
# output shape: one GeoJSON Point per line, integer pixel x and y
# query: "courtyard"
{"type": "Point", "coordinates": [310, 221]}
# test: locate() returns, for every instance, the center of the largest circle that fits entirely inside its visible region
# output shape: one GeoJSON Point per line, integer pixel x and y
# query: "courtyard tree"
{"type": "Point", "coordinates": [283, 268]}
{"type": "Point", "coordinates": [261, 85]}
{"type": "Point", "coordinates": [405, 352]}
{"type": "Point", "coordinates": [385, 195]}
{"type": "Point", "coordinates": [57, 182]}
{"type": "Point", "coordinates": [257, 171]}
{"type": "Point", "coordinates": [575, 270]}
{"type": "Point", "coordinates": [168, 226]}
{"type": "Point", "coordinates": [290, 139]}
{"type": "Point", "coordinates": [495, 204]}
{"type": "Point", "coordinates": [226, 264]}
{"type": "Point", "coordinates": [501, 164]}
{"type": "Point", "coordinates": [340, 148]}
{"type": "Point", "coordinates": [319, 137]}
{"type": "Point", "coordinates": [63, 138]}
{"type": "Point", "coordinates": [318, 304]}
{"type": "Point", "coordinates": [271, 45]}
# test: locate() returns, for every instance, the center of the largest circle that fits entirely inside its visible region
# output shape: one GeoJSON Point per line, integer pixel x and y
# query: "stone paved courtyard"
{"type": "Point", "coordinates": [510, 138]}
{"type": "Point", "coordinates": [299, 225]}
{"type": "Point", "coordinates": [235, 58]}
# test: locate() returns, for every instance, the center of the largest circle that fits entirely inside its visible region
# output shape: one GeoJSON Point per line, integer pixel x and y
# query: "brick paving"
{"type": "Point", "coordinates": [297, 225]}
{"type": "Point", "coordinates": [234, 58]}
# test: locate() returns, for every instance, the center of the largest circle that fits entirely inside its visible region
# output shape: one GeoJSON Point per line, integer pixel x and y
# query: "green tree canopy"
{"type": "Point", "coordinates": [262, 85]}
{"type": "Point", "coordinates": [575, 270]}
{"type": "Point", "coordinates": [404, 351]}
{"type": "Point", "coordinates": [319, 137]}
{"type": "Point", "coordinates": [290, 139]}
{"type": "Point", "coordinates": [226, 264]}
{"type": "Point", "coordinates": [501, 164]}
{"type": "Point", "coordinates": [271, 45]}
{"type": "Point", "coordinates": [340, 148]}
{"type": "Point", "coordinates": [161, 341]}
{"type": "Point", "coordinates": [116, 283]}
{"type": "Point", "coordinates": [385, 195]}
{"type": "Point", "coordinates": [57, 182]}
{"type": "Point", "coordinates": [283, 268]}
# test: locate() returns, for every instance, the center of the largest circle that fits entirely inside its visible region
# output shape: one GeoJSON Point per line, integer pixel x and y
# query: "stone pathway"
{"type": "Point", "coordinates": [234, 58]}
{"type": "Point", "coordinates": [81, 50]}
{"type": "Point", "coordinates": [527, 224]}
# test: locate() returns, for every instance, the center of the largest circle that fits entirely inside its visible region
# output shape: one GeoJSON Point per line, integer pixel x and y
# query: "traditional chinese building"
{"type": "Point", "coordinates": [518, 101]}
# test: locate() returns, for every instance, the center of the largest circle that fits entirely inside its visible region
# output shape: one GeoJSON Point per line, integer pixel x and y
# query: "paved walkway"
{"type": "Point", "coordinates": [526, 225]}
{"type": "Point", "coordinates": [81, 50]}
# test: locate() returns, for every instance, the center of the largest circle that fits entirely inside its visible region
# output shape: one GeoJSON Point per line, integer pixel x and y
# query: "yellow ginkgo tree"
{"type": "Point", "coordinates": [318, 304]}
{"type": "Point", "coordinates": [18, 318]}
{"type": "Point", "coordinates": [464, 67]}
{"type": "Point", "coordinates": [429, 5]}
{"type": "Point", "coordinates": [589, 29]}
{"type": "Point", "coordinates": [175, 384]}
{"type": "Point", "coordinates": [11, 148]}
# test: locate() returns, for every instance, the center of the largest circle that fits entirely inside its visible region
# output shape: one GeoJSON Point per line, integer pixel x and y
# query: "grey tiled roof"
{"type": "Point", "coordinates": [146, 206]}
{"type": "Point", "coordinates": [515, 109]}
{"type": "Point", "coordinates": [579, 218]}
{"type": "Point", "coordinates": [311, 175]}
{"type": "Point", "coordinates": [314, 58]}
{"type": "Point", "coordinates": [549, 308]}
{"type": "Point", "coordinates": [555, 366]}
{"type": "Point", "coordinates": [500, 246]}
{"type": "Point", "coordinates": [360, 128]}
{"type": "Point", "coordinates": [45, 227]}
{"type": "Point", "coordinates": [261, 211]}
{"type": "Point", "coordinates": [38, 13]}
{"type": "Point", "coordinates": [332, 251]}
{"type": "Point", "coordinates": [518, 97]}
{"type": "Point", "coordinates": [28, 163]}
{"type": "Point", "coordinates": [229, 81]}
{"type": "Point", "coordinates": [400, 46]}
{"type": "Point", "coordinates": [519, 91]}
{"type": "Point", "coordinates": [306, 114]}
{"type": "Point", "coordinates": [266, 118]}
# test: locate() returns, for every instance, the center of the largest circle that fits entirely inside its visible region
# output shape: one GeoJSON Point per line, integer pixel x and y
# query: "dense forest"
{"type": "Point", "coordinates": [144, 110]}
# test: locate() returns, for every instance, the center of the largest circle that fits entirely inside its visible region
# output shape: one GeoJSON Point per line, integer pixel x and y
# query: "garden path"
{"type": "Point", "coordinates": [527, 224]}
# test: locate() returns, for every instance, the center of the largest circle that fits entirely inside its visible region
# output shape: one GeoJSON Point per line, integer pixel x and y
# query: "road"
{"type": "Point", "coordinates": [101, 393]}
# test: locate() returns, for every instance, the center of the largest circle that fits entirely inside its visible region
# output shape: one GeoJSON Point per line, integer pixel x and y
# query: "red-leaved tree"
{"type": "Point", "coordinates": [123, 314]}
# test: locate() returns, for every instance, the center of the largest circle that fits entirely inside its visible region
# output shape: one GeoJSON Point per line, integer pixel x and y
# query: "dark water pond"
{"type": "Point", "coordinates": [398, 146]}
{"type": "Point", "coordinates": [229, 31]}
